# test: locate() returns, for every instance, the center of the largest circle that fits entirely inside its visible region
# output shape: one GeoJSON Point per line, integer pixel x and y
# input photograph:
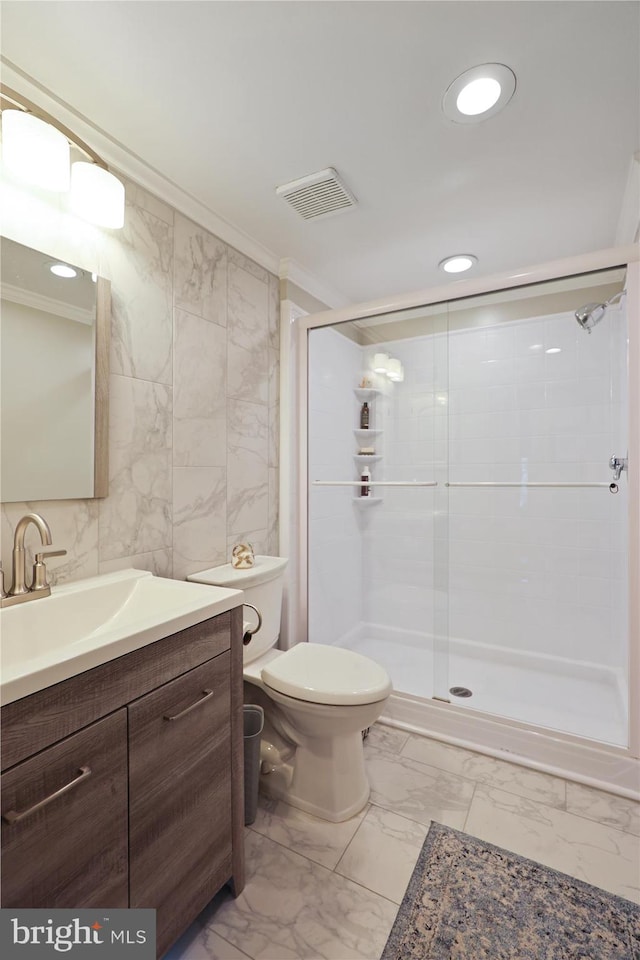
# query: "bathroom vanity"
{"type": "Point", "coordinates": [122, 785]}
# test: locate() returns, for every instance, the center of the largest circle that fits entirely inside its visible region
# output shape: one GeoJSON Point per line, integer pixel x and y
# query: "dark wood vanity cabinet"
{"type": "Point", "coordinates": [179, 756]}
{"type": "Point", "coordinates": [149, 748]}
{"type": "Point", "coordinates": [66, 800]}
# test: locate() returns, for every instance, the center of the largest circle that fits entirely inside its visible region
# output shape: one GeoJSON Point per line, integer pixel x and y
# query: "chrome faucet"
{"type": "Point", "coordinates": [19, 591]}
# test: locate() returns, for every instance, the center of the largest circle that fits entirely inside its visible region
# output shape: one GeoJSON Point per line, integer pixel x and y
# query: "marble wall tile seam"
{"type": "Point", "coordinates": [128, 376]}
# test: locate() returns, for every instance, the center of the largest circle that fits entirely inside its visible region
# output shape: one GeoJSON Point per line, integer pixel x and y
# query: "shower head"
{"type": "Point", "coordinates": [592, 313]}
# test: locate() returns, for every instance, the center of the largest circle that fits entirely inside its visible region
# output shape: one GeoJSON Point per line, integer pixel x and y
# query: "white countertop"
{"type": "Point", "coordinates": [89, 622]}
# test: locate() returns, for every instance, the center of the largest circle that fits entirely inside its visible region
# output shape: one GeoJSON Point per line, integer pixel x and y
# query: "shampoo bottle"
{"type": "Point", "coordinates": [365, 477]}
{"type": "Point", "coordinates": [364, 416]}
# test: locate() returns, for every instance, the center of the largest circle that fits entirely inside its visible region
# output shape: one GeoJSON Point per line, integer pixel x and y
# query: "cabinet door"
{"type": "Point", "coordinates": [64, 822]}
{"type": "Point", "coordinates": [180, 796]}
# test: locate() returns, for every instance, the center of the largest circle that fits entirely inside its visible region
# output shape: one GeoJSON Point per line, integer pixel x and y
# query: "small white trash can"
{"type": "Point", "coordinates": [253, 723]}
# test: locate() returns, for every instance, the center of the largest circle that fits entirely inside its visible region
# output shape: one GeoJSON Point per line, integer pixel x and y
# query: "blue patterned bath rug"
{"type": "Point", "coordinates": [471, 900]}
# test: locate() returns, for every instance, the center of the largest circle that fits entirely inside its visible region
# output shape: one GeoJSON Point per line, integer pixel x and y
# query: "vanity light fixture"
{"type": "Point", "coordinates": [35, 147]}
{"type": "Point", "coordinates": [479, 93]}
{"type": "Point", "coordinates": [35, 151]}
{"type": "Point", "coordinates": [458, 263]}
{"type": "Point", "coordinates": [63, 270]}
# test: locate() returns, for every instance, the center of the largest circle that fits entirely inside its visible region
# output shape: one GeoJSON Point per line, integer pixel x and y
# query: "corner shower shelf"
{"type": "Point", "coordinates": [363, 434]}
{"type": "Point", "coordinates": [363, 500]}
{"type": "Point", "coordinates": [366, 457]}
{"type": "Point", "coordinates": [366, 393]}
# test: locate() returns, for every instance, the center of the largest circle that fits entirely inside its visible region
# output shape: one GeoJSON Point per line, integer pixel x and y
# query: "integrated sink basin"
{"type": "Point", "coordinates": [89, 622]}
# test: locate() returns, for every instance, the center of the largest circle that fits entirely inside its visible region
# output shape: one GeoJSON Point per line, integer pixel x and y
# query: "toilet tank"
{"type": "Point", "coordinates": [262, 585]}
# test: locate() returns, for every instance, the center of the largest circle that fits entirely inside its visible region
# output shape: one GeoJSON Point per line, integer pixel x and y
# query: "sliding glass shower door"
{"type": "Point", "coordinates": [537, 539]}
{"type": "Point", "coordinates": [483, 558]}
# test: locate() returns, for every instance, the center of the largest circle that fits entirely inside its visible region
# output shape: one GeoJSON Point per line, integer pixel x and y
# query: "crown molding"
{"type": "Point", "coordinates": [122, 160]}
{"type": "Point", "coordinates": [118, 157]}
{"type": "Point", "coordinates": [294, 272]}
{"type": "Point", "coordinates": [629, 222]}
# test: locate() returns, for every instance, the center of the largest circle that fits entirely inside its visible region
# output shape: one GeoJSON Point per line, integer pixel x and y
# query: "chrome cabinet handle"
{"type": "Point", "coordinates": [176, 716]}
{"type": "Point", "coordinates": [14, 816]}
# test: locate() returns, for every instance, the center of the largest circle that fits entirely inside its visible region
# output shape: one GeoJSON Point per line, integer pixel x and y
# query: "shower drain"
{"type": "Point", "coordinates": [460, 692]}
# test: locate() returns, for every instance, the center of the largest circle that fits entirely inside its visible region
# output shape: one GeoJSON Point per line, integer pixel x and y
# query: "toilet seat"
{"type": "Point", "coordinates": [319, 673]}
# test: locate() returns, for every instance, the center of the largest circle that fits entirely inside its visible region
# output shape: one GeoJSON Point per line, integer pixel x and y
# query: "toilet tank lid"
{"type": "Point", "coordinates": [319, 673]}
{"type": "Point", "coordinates": [263, 570]}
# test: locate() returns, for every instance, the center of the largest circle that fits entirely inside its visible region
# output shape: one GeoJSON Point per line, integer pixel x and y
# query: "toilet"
{"type": "Point", "coordinates": [317, 701]}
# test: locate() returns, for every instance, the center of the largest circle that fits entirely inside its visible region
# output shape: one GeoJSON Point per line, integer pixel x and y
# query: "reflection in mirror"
{"type": "Point", "coordinates": [54, 378]}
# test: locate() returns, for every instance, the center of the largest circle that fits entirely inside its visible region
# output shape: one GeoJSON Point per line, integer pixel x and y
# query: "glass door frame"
{"type": "Point", "coordinates": [294, 412]}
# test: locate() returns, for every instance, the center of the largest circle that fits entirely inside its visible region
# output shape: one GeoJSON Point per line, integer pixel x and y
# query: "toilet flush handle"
{"type": "Point", "coordinates": [248, 632]}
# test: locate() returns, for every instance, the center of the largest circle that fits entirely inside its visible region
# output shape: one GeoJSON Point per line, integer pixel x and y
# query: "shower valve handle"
{"type": "Point", "coordinates": [618, 464]}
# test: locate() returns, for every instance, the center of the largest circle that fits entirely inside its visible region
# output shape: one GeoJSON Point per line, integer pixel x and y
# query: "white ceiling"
{"type": "Point", "coordinates": [230, 99]}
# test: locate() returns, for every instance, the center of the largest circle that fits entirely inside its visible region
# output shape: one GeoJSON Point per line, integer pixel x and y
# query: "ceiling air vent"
{"type": "Point", "coordinates": [318, 195]}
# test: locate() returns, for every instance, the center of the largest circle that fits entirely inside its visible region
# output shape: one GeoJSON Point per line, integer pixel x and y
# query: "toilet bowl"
{"type": "Point", "coordinates": [317, 701]}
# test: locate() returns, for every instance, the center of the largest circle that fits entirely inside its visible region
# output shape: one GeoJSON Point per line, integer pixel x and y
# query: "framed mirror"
{"type": "Point", "coordinates": [54, 378]}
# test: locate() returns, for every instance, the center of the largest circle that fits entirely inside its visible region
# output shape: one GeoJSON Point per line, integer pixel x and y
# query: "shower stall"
{"type": "Point", "coordinates": [476, 530]}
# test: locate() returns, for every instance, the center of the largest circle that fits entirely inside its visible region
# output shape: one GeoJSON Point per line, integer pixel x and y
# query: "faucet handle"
{"type": "Point", "coordinates": [40, 571]}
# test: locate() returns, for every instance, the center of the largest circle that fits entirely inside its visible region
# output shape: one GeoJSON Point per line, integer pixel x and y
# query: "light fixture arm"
{"type": "Point", "coordinates": [10, 99]}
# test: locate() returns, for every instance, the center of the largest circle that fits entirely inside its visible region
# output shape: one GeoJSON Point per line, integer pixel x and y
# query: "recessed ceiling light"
{"type": "Point", "coordinates": [554, 350]}
{"type": "Point", "coordinates": [479, 93]}
{"type": "Point", "coordinates": [458, 263]}
{"type": "Point", "coordinates": [63, 270]}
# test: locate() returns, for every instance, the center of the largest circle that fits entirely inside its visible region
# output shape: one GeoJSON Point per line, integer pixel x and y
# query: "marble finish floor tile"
{"type": "Point", "coordinates": [319, 840]}
{"type": "Point", "coordinates": [293, 909]}
{"type": "Point", "coordinates": [320, 890]}
{"type": "Point", "coordinates": [593, 852]}
{"type": "Point", "coordinates": [199, 943]}
{"type": "Point", "coordinates": [604, 808]}
{"type": "Point", "coordinates": [416, 791]}
{"type": "Point", "coordinates": [497, 773]}
{"type": "Point", "coordinates": [386, 738]}
{"type": "Point", "coordinates": [383, 853]}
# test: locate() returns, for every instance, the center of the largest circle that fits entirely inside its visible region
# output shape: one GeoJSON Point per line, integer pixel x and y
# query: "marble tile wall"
{"type": "Point", "coordinates": [193, 435]}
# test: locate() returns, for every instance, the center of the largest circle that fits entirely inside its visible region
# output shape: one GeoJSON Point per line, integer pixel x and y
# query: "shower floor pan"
{"type": "Point", "coordinates": [574, 697]}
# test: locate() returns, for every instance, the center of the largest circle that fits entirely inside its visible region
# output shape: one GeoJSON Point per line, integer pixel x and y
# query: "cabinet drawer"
{"type": "Point", "coordinates": [180, 796]}
{"type": "Point", "coordinates": [65, 844]}
{"type": "Point", "coordinates": [49, 715]}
